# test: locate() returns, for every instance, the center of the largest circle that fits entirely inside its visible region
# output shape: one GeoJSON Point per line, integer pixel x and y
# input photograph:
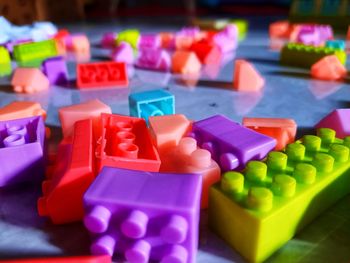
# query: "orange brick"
{"type": "Point", "coordinates": [328, 68]}
{"type": "Point", "coordinates": [185, 62]}
{"type": "Point", "coordinates": [246, 77]}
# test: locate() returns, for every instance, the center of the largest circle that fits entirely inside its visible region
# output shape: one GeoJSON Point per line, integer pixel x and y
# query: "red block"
{"type": "Point", "coordinates": [102, 74]}
{"type": "Point", "coordinates": [81, 259]}
{"type": "Point", "coordinates": [126, 143]}
{"type": "Point", "coordinates": [206, 52]}
{"type": "Point", "coordinates": [62, 199]}
{"type": "Point", "coordinates": [328, 68]}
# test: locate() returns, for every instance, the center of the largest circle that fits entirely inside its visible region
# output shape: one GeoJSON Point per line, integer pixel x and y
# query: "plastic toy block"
{"type": "Point", "coordinates": [337, 120]}
{"type": "Point", "coordinates": [300, 55]}
{"type": "Point", "coordinates": [242, 26]}
{"type": "Point", "coordinates": [21, 150]}
{"type": "Point", "coordinates": [80, 44]}
{"type": "Point", "coordinates": [185, 62]}
{"type": "Point", "coordinates": [108, 40]}
{"type": "Point", "coordinates": [336, 44]}
{"type": "Point", "coordinates": [168, 130]}
{"type": "Point", "coordinates": [21, 109]}
{"type": "Point", "coordinates": [29, 80]}
{"type": "Point", "coordinates": [217, 135]}
{"type": "Point", "coordinates": [154, 59]}
{"type": "Point", "coordinates": [227, 39]}
{"type": "Point", "coordinates": [283, 130]}
{"type": "Point", "coordinates": [328, 68]}
{"type": "Point", "coordinates": [56, 70]}
{"type": "Point", "coordinates": [258, 212]}
{"type": "Point", "coordinates": [102, 74]}
{"type": "Point", "coordinates": [246, 77]}
{"type": "Point", "coordinates": [80, 259]}
{"type": "Point", "coordinates": [130, 36]}
{"type": "Point", "coordinates": [123, 53]}
{"type": "Point", "coordinates": [63, 192]}
{"type": "Point", "coordinates": [183, 42]}
{"type": "Point", "coordinates": [149, 41]}
{"type": "Point", "coordinates": [279, 29]}
{"type": "Point", "coordinates": [37, 51]}
{"type": "Point", "coordinates": [151, 103]}
{"type": "Point", "coordinates": [92, 109]}
{"type": "Point", "coordinates": [206, 52]}
{"type": "Point", "coordinates": [126, 143]}
{"type": "Point", "coordinates": [5, 62]}
{"type": "Point", "coordinates": [129, 213]}
{"type": "Point", "coordinates": [167, 40]}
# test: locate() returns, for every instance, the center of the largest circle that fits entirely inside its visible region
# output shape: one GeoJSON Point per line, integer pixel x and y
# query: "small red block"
{"type": "Point", "coordinates": [206, 52]}
{"type": "Point", "coordinates": [328, 68]}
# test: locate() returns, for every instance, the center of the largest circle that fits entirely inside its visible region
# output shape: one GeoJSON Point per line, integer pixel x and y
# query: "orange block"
{"type": "Point", "coordinates": [280, 29]}
{"type": "Point", "coordinates": [185, 62]}
{"type": "Point", "coordinates": [167, 40]}
{"type": "Point", "coordinates": [21, 109]}
{"type": "Point", "coordinates": [246, 77]}
{"type": "Point", "coordinates": [63, 191]}
{"type": "Point", "coordinates": [283, 130]}
{"type": "Point", "coordinates": [183, 42]}
{"type": "Point", "coordinates": [328, 68]}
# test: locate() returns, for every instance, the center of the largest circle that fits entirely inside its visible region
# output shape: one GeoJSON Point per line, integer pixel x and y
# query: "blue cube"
{"type": "Point", "coordinates": [336, 44]}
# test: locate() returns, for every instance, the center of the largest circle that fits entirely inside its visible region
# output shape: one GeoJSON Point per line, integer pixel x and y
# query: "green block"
{"type": "Point", "coordinates": [299, 55]}
{"type": "Point", "coordinates": [130, 36]}
{"type": "Point", "coordinates": [5, 62]}
{"type": "Point", "coordinates": [38, 51]}
{"type": "Point", "coordinates": [257, 212]}
{"type": "Point", "coordinates": [242, 26]}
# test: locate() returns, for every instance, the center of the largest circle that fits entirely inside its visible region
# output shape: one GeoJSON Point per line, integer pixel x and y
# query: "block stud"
{"type": "Point", "coordinates": [124, 126]}
{"type": "Point", "coordinates": [312, 143]}
{"type": "Point", "coordinates": [19, 129]}
{"type": "Point", "coordinates": [177, 254]}
{"type": "Point", "coordinates": [125, 136]}
{"type": "Point", "coordinates": [97, 220]}
{"type": "Point", "coordinates": [347, 141]}
{"type": "Point", "coordinates": [228, 161]}
{"type": "Point", "coordinates": [14, 140]}
{"type": "Point", "coordinates": [135, 225]}
{"type": "Point", "coordinates": [127, 150]}
{"type": "Point", "coordinates": [150, 110]}
{"type": "Point", "coordinates": [277, 161]}
{"type": "Point", "coordinates": [284, 185]}
{"type": "Point", "coordinates": [232, 182]}
{"type": "Point", "coordinates": [323, 162]}
{"type": "Point", "coordinates": [187, 146]}
{"type": "Point", "coordinates": [175, 231]}
{"type": "Point", "coordinates": [104, 245]}
{"type": "Point", "coordinates": [256, 171]}
{"type": "Point", "coordinates": [305, 173]}
{"type": "Point", "coordinates": [260, 199]}
{"type": "Point", "coordinates": [295, 151]}
{"type": "Point", "coordinates": [139, 252]}
{"type": "Point", "coordinates": [200, 158]}
{"type": "Point", "coordinates": [339, 152]}
{"type": "Point", "coordinates": [211, 147]}
{"type": "Point", "coordinates": [327, 135]}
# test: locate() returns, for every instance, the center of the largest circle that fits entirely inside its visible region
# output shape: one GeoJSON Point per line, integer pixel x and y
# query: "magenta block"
{"type": "Point", "coordinates": [21, 150]}
{"type": "Point", "coordinates": [144, 216]}
{"type": "Point", "coordinates": [338, 120]}
{"type": "Point", "coordinates": [315, 35]}
{"type": "Point", "coordinates": [227, 39]}
{"type": "Point", "coordinates": [56, 70]}
{"type": "Point", "coordinates": [154, 59]}
{"type": "Point", "coordinates": [108, 40]}
{"type": "Point", "coordinates": [151, 41]}
{"type": "Point", "coordinates": [231, 144]}
{"type": "Point", "coordinates": [123, 53]}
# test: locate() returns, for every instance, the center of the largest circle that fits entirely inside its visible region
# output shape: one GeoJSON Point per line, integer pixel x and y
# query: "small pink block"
{"type": "Point", "coordinates": [338, 120]}
{"type": "Point", "coordinates": [184, 62]}
{"type": "Point", "coordinates": [246, 77]}
{"type": "Point", "coordinates": [108, 39]}
{"type": "Point", "coordinates": [123, 53]}
{"type": "Point", "coordinates": [154, 59]}
{"type": "Point", "coordinates": [29, 80]}
{"type": "Point", "coordinates": [227, 39]}
{"type": "Point", "coordinates": [80, 44]}
{"type": "Point", "coordinates": [328, 68]}
{"type": "Point", "coordinates": [151, 41]}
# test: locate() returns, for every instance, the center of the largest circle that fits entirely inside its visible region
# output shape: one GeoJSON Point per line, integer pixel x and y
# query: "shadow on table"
{"type": "Point", "coordinates": [6, 88]}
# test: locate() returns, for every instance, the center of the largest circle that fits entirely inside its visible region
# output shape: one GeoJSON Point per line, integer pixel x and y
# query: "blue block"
{"type": "Point", "coordinates": [336, 44]}
{"type": "Point", "coordinates": [151, 103]}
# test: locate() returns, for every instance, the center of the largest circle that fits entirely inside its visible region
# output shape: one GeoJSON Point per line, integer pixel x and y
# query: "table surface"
{"type": "Point", "coordinates": [288, 93]}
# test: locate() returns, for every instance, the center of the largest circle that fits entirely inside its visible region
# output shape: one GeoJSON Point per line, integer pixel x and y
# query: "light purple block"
{"type": "Point", "coordinates": [21, 150]}
{"type": "Point", "coordinates": [314, 34]}
{"type": "Point", "coordinates": [56, 70]}
{"type": "Point", "coordinates": [154, 59]}
{"type": "Point", "coordinates": [231, 144]}
{"type": "Point", "coordinates": [108, 40]}
{"type": "Point", "coordinates": [149, 41]}
{"type": "Point", "coordinates": [227, 39]}
{"type": "Point", "coordinates": [144, 216]}
{"type": "Point", "coordinates": [123, 53]}
{"type": "Point", "coordinates": [338, 120]}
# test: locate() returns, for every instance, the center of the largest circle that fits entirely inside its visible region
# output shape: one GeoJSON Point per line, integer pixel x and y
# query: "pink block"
{"type": "Point", "coordinates": [80, 44]}
{"type": "Point", "coordinates": [29, 80]}
{"type": "Point", "coordinates": [87, 110]}
{"type": "Point", "coordinates": [151, 41]}
{"type": "Point", "coordinates": [328, 68]}
{"type": "Point", "coordinates": [338, 120]}
{"type": "Point", "coordinates": [108, 39]}
{"type": "Point", "coordinates": [155, 59]}
{"type": "Point", "coordinates": [279, 29]}
{"type": "Point", "coordinates": [227, 39]}
{"type": "Point", "coordinates": [123, 53]}
{"type": "Point", "coordinates": [246, 77]}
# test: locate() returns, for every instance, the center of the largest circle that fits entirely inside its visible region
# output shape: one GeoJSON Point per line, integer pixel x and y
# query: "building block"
{"type": "Point", "coordinates": [337, 120]}
{"type": "Point", "coordinates": [29, 80]}
{"type": "Point", "coordinates": [328, 68]}
{"type": "Point", "coordinates": [126, 143]}
{"type": "Point", "coordinates": [149, 41]}
{"type": "Point", "coordinates": [183, 42]}
{"type": "Point", "coordinates": [152, 224]}
{"type": "Point", "coordinates": [21, 109]}
{"type": "Point", "coordinates": [102, 74]}
{"type": "Point", "coordinates": [227, 39]}
{"type": "Point", "coordinates": [108, 40]}
{"type": "Point", "coordinates": [206, 52]}
{"type": "Point", "coordinates": [22, 150]}
{"type": "Point", "coordinates": [131, 36]}
{"type": "Point", "coordinates": [63, 192]}
{"type": "Point", "coordinates": [215, 135]}
{"type": "Point", "coordinates": [246, 77]}
{"type": "Point", "coordinates": [56, 71]}
{"type": "Point", "coordinates": [123, 53]}
{"type": "Point", "coordinates": [154, 59]}
{"type": "Point", "coordinates": [300, 55]}
{"type": "Point", "coordinates": [185, 62]}
{"type": "Point", "coordinates": [151, 103]}
{"type": "Point", "coordinates": [167, 40]}
{"type": "Point", "coordinates": [80, 44]}
{"type": "Point", "coordinates": [92, 109]}
{"type": "Point", "coordinates": [283, 130]}
{"type": "Point", "coordinates": [258, 212]}
{"type": "Point", "coordinates": [242, 27]}
{"type": "Point", "coordinates": [5, 62]}
{"type": "Point", "coordinates": [279, 29]}
{"type": "Point", "coordinates": [336, 44]}
{"type": "Point", "coordinates": [80, 259]}
{"type": "Point", "coordinates": [35, 51]}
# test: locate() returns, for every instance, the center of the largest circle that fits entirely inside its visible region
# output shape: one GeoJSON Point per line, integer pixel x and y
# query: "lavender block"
{"type": "Point", "coordinates": [151, 41]}
{"type": "Point", "coordinates": [154, 59]}
{"type": "Point", "coordinates": [338, 120]}
{"type": "Point", "coordinates": [231, 144]}
{"type": "Point", "coordinates": [227, 39]}
{"type": "Point", "coordinates": [21, 150]}
{"type": "Point", "coordinates": [56, 70]}
{"type": "Point", "coordinates": [144, 216]}
{"type": "Point", "coordinates": [123, 53]}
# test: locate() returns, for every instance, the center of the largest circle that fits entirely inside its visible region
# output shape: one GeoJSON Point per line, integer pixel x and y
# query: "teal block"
{"type": "Point", "coordinates": [336, 44]}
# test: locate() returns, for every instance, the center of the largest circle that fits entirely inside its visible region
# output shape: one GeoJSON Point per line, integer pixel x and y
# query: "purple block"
{"type": "Point", "coordinates": [151, 41]}
{"type": "Point", "coordinates": [338, 120]}
{"type": "Point", "coordinates": [227, 39]}
{"type": "Point", "coordinates": [231, 144]}
{"type": "Point", "coordinates": [154, 59]}
{"type": "Point", "coordinates": [144, 216]}
{"type": "Point", "coordinates": [123, 53]}
{"type": "Point", "coordinates": [55, 69]}
{"type": "Point", "coordinates": [315, 35]}
{"type": "Point", "coordinates": [108, 40]}
{"type": "Point", "coordinates": [21, 150]}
